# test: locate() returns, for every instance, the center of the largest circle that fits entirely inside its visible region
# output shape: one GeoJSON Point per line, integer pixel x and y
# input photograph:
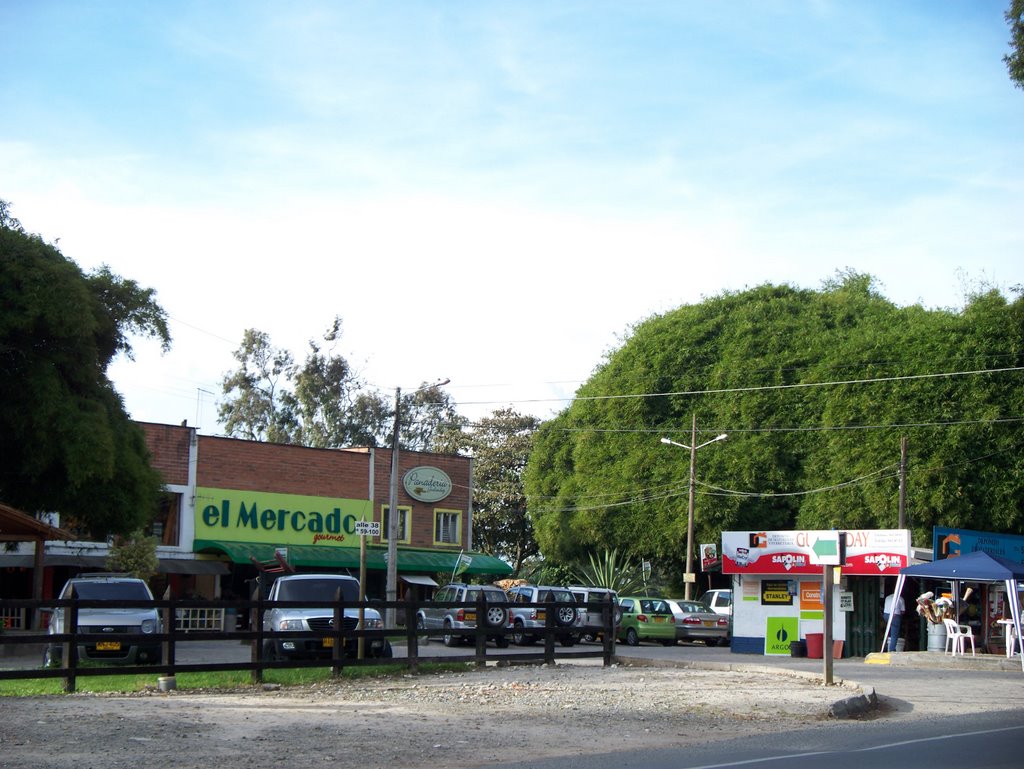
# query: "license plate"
{"type": "Point", "coordinates": [659, 619]}
{"type": "Point", "coordinates": [709, 623]}
{"type": "Point", "coordinates": [108, 646]}
{"type": "Point", "coordinates": [328, 643]}
{"type": "Point", "coordinates": [470, 616]}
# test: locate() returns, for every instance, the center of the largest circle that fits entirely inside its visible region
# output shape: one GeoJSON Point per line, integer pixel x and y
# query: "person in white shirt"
{"type": "Point", "coordinates": [893, 606]}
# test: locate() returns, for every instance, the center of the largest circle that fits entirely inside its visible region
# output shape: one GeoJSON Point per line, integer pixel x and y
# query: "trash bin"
{"type": "Point", "coordinates": [797, 649]}
{"type": "Point", "coordinates": [815, 645]}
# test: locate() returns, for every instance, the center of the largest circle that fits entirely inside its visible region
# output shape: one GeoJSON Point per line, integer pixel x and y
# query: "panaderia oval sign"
{"type": "Point", "coordinates": [427, 484]}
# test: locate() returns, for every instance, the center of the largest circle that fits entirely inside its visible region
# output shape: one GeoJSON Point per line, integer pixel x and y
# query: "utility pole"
{"type": "Point", "coordinates": [903, 484]}
{"type": "Point", "coordinates": [690, 577]}
{"type": "Point", "coordinates": [688, 586]}
{"type": "Point", "coordinates": [391, 593]}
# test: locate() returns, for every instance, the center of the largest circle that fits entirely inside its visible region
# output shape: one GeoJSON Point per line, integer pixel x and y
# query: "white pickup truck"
{"type": "Point", "coordinates": [282, 625]}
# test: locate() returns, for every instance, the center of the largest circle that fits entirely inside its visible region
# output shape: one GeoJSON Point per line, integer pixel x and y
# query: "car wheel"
{"type": "Point", "coordinates": [565, 616]}
{"type": "Point", "coordinates": [495, 616]}
{"type": "Point", "coordinates": [667, 642]}
{"type": "Point", "coordinates": [567, 640]}
{"type": "Point", "coordinates": [449, 638]}
{"type": "Point", "coordinates": [711, 642]}
{"type": "Point", "coordinates": [589, 637]}
{"type": "Point", "coordinates": [387, 652]}
{"type": "Point", "coordinates": [269, 651]}
{"type": "Point", "coordinates": [501, 642]}
{"type": "Point", "coordinates": [632, 638]}
{"type": "Point", "coordinates": [51, 657]}
{"type": "Point", "coordinates": [519, 637]}
{"type": "Point", "coordinates": [421, 631]}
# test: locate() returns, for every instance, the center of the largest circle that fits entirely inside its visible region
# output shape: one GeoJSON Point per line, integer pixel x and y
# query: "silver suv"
{"type": "Point", "coordinates": [444, 614]}
{"type": "Point", "coordinates": [529, 614]}
{"type": "Point", "coordinates": [591, 600]}
{"type": "Point", "coordinates": [285, 626]}
{"type": "Point", "coordinates": [112, 624]}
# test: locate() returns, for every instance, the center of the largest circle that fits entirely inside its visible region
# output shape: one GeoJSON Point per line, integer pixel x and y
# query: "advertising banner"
{"type": "Point", "coordinates": [869, 552]}
{"type": "Point", "coordinates": [779, 633]}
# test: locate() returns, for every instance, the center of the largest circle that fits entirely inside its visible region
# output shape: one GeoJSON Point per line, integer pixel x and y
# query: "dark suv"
{"type": "Point", "coordinates": [110, 625]}
{"type": "Point", "coordinates": [444, 614]}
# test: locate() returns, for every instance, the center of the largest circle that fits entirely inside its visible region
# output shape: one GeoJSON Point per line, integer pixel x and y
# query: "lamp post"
{"type": "Point", "coordinates": [391, 589]}
{"type": "Point", "coordinates": [692, 448]}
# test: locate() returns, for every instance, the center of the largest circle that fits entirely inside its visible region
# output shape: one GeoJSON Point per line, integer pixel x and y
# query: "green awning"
{"type": "Point", "coordinates": [409, 560]}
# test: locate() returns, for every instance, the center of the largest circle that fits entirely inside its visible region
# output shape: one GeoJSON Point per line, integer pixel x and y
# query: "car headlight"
{"type": "Point", "coordinates": [374, 623]}
{"type": "Point", "coordinates": [290, 624]}
{"type": "Point", "coordinates": [149, 625]}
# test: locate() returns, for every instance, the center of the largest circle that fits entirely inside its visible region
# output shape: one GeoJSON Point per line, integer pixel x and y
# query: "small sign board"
{"type": "Point", "coordinates": [368, 528]}
{"type": "Point", "coordinates": [845, 601]}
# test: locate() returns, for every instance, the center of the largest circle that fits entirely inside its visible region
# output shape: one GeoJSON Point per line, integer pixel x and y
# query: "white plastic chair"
{"type": "Point", "coordinates": [955, 635]}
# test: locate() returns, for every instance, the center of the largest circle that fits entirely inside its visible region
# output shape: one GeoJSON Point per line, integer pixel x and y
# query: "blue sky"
{"type": "Point", "coordinates": [494, 192]}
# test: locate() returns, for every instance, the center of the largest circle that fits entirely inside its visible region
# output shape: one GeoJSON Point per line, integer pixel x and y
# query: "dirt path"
{"type": "Point", "coordinates": [463, 719]}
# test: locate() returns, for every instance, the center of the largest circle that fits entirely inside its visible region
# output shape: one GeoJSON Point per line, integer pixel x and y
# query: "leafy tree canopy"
{"type": "Point", "coordinates": [67, 442]}
{"type": "Point", "coordinates": [815, 389]}
{"type": "Point", "coordinates": [322, 402]}
{"type": "Point", "coordinates": [500, 446]}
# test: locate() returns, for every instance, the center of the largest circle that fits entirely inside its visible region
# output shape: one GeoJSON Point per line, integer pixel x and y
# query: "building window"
{"type": "Point", "coordinates": [164, 527]}
{"type": "Point", "coordinates": [404, 513]}
{"type": "Point", "coordinates": [447, 527]}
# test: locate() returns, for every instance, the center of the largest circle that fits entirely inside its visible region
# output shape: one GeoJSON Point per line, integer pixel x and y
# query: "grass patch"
{"type": "Point", "coordinates": [227, 680]}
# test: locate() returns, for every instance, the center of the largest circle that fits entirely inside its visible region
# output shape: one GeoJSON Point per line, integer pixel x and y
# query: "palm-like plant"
{"type": "Point", "coordinates": [624, 577]}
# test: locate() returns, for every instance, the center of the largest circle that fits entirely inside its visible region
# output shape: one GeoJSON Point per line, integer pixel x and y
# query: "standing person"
{"type": "Point", "coordinates": [893, 606]}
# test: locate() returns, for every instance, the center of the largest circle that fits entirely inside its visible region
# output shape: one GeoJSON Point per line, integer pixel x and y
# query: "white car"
{"type": "Point", "coordinates": [111, 627]}
{"type": "Point", "coordinates": [718, 601]}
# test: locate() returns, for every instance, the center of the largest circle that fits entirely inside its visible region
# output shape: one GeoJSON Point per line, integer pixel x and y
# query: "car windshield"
{"type": "Point", "coordinates": [318, 590]}
{"type": "Point", "coordinates": [111, 591]}
{"type": "Point", "coordinates": [692, 607]}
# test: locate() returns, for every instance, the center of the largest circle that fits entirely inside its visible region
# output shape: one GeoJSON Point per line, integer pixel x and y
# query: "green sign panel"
{"type": "Point", "coordinates": [279, 519]}
{"type": "Point", "coordinates": [779, 633]}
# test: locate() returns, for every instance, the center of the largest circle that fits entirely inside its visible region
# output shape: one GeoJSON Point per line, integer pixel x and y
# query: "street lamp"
{"type": "Point", "coordinates": [391, 588]}
{"type": "Point", "coordinates": [692, 448]}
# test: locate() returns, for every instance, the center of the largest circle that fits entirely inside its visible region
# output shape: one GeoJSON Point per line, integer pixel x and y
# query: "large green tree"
{"type": "Point", "coordinates": [816, 390]}
{"type": "Point", "coordinates": [322, 402]}
{"type": "Point", "coordinates": [500, 447]}
{"type": "Point", "coordinates": [1015, 59]}
{"type": "Point", "coordinates": [66, 441]}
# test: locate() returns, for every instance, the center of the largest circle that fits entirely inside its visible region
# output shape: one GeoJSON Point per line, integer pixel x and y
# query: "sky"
{"type": "Point", "coordinates": [494, 193]}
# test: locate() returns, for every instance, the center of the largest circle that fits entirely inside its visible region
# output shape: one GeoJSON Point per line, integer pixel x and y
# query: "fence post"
{"type": "Point", "coordinates": [481, 630]}
{"type": "Point", "coordinates": [169, 623]}
{"type": "Point", "coordinates": [608, 636]}
{"type": "Point", "coordinates": [549, 632]}
{"type": "Point", "coordinates": [338, 636]}
{"type": "Point", "coordinates": [412, 640]}
{"type": "Point", "coordinates": [70, 656]}
{"type": "Point", "coordinates": [256, 623]}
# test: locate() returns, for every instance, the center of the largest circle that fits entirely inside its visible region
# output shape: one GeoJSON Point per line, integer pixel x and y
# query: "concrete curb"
{"type": "Point", "coordinates": [855, 706]}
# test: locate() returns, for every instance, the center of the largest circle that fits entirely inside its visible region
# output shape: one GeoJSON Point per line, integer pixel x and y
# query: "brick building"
{"type": "Point", "coordinates": [233, 505]}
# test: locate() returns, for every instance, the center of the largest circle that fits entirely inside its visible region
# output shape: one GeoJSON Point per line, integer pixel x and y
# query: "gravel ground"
{"type": "Point", "coordinates": [452, 720]}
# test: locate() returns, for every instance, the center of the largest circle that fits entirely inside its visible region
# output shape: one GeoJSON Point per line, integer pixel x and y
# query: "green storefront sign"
{"type": "Point", "coordinates": [282, 519]}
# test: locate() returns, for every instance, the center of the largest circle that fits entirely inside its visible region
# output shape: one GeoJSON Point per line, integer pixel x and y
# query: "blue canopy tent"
{"type": "Point", "coordinates": [972, 567]}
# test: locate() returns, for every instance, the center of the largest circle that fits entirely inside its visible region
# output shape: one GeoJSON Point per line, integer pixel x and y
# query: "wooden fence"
{"type": "Point", "coordinates": [175, 633]}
